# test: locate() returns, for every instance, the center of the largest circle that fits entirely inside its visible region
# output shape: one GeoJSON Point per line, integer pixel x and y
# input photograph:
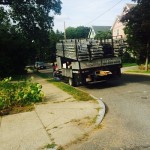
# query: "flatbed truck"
{"type": "Point", "coordinates": [87, 61]}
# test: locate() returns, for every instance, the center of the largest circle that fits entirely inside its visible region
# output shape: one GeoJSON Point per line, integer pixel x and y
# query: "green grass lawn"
{"type": "Point", "coordinates": [140, 68]}
{"type": "Point", "coordinates": [129, 64]}
{"type": "Point", "coordinates": [140, 71]}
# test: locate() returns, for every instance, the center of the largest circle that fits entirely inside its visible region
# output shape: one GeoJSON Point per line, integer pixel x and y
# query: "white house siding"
{"type": "Point", "coordinates": [91, 34]}
{"type": "Point", "coordinates": [118, 30]}
{"type": "Point", "coordinates": [95, 29]}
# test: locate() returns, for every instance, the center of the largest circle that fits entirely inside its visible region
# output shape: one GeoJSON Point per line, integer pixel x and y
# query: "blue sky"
{"type": "Point", "coordinates": [88, 12]}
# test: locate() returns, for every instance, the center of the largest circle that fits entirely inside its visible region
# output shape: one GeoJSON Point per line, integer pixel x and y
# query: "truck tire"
{"type": "Point", "coordinates": [84, 80]}
{"type": "Point", "coordinates": [76, 83]}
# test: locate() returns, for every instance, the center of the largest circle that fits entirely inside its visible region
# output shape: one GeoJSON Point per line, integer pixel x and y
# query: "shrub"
{"type": "Point", "coordinates": [142, 67]}
{"type": "Point", "coordinates": [126, 58]}
{"type": "Point", "coordinates": [19, 93]}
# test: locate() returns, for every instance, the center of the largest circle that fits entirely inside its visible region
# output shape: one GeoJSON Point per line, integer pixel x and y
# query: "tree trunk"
{"type": "Point", "coordinates": [147, 57]}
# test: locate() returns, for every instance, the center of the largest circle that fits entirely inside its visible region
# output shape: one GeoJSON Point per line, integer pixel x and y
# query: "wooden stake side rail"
{"type": "Point", "coordinates": [82, 50]}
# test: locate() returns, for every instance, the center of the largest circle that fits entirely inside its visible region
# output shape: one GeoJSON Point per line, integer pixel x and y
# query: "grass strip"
{"type": "Point", "coordinates": [139, 71]}
{"type": "Point", "coordinates": [76, 93]}
{"type": "Point", "coordinates": [129, 64]}
{"type": "Point", "coordinates": [44, 75]}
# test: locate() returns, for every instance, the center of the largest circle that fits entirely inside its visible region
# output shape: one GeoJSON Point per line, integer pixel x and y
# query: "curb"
{"type": "Point", "coordinates": [134, 73]}
{"type": "Point", "coordinates": [102, 110]}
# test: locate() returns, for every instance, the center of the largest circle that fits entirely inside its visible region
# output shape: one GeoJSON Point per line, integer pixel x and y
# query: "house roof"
{"type": "Point", "coordinates": [101, 28]}
{"type": "Point", "coordinates": [130, 5]}
{"type": "Point", "coordinates": [117, 18]}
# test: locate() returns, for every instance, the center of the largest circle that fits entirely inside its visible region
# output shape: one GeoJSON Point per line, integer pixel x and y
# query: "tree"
{"type": "Point", "coordinates": [77, 33]}
{"type": "Point", "coordinates": [103, 35]}
{"type": "Point", "coordinates": [34, 20]}
{"type": "Point", "coordinates": [13, 48]}
{"type": "Point", "coordinates": [28, 36]}
{"type": "Point", "coordinates": [138, 30]}
{"type": "Point", "coordinates": [4, 20]}
{"type": "Point", "coordinates": [70, 33]}
{"type": "Point", "coordinates": [82, 32]}
{"type": "Point", "coordinates": [60, 35]}
{"type": "Point", "coordinates": [53, 40]}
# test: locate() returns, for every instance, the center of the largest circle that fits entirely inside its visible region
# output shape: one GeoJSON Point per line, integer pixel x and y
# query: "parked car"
{"type": "Point", "coordinates": [40, 65]}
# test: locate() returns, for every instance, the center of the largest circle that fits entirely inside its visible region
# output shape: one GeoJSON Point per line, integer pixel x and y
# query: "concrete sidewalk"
{"type": "Point", "coordinates": [60, 120]}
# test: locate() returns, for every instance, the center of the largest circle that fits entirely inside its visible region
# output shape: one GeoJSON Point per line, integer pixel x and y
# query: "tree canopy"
{"type": "Point", "coordinates": [33, 17]}
{"type": "Point", "coordinates": [103, 35]}
{"type": "Point", "coordinates": [77, 33]}
{"type": "Point", "coordinates": [137, 29]}
{"type": "Point", "coordinates": [14, 48]}
{"type": "Point", "coordinates": [24, 32]}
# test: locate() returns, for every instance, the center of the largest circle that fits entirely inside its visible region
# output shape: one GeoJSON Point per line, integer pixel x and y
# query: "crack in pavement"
{"type": "Point", "coordinates": [49, 136]}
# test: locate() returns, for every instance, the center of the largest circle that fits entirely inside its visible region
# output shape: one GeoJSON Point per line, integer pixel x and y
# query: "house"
{"type": "Point", "coordinates": [95, 29]}
{"type": "Point", "coordinates": [118, 27]}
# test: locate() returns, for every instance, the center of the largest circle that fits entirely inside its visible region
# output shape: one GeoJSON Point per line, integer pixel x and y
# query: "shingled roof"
{"type": "Point", "coordinates": [101, 28]}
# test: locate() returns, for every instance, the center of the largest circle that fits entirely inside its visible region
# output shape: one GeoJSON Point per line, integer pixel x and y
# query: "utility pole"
{"type": "Point", "coordinates": [64, 32]}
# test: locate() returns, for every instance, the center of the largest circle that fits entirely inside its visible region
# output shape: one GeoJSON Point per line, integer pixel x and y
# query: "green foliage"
{"type": "Point", "coordinates": [27, 38]}
{"type": "Point", "coordinates": [70, 33]}
{"type": "Point", "coordinates": [34, 19]}
{"type": "Point", "coordinates": [126, 58]}
{"type": "Point", "coordinates": [103, 35]}
{"type": "Point", "coordinates": [52, 51]}
{"type": "Point", "coordinates": [138, 29]}
{"type": "Point", "coordinates": [77, 33]}
{"type": "Point", "coordinates": [82, 32]}
{"type": "Point", "coordinates": [19, 93]}
{"type": "Point", "coordinates": [4, 20]}
{"type": "Point", "coordinates": [14, 52]}
{"type": "Point", "coordinates": [129, 64]}
{"type": "Point", "coordinates": [60, 35]}
{"type": "Point", "coordinates": [48, 53]}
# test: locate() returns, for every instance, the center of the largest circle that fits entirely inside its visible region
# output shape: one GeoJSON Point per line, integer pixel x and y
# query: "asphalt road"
{"type": "Point", "coordinates": [126, 125]}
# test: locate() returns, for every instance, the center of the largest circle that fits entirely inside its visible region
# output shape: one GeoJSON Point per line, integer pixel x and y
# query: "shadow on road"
{"type": "Point", "coordinates": [125, 79]}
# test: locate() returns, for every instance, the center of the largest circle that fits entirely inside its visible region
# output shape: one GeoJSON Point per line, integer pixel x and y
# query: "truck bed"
{"type": "Point", "coordinates": [83, 50]}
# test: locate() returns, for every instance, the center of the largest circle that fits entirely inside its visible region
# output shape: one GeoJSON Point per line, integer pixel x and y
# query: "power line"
{"type": "Point", "coordinates": [104, 12]}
